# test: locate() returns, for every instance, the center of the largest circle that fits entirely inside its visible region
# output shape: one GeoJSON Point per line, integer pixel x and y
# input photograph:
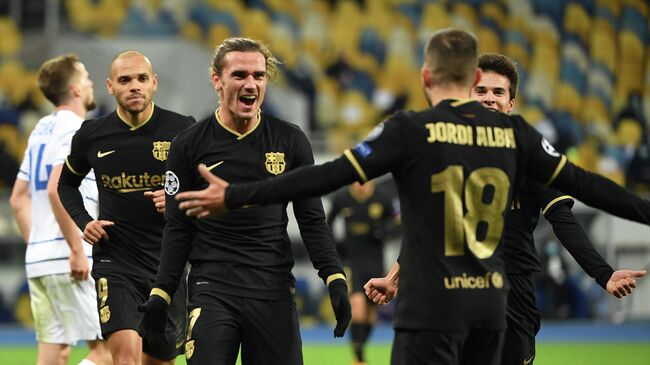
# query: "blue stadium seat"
{"type": "Point", "coordinates": [553, 9]}
{"type": "Point", "coordinates": [370, 43]}
{"type": "Point", "coordinates": [634, 21]}
{"type": "Point", "coordinates": [204, 16]}
{"type": "Point", "coordinates": [574, 65]}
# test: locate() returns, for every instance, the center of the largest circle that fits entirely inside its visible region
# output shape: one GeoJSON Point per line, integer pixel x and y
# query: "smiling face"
{"type": "Point", "coordinates": [132, 82]}
{"type": "Point", "coordinates": [493, 92]}
{"type": "Point", "coordinates": [241, 86]}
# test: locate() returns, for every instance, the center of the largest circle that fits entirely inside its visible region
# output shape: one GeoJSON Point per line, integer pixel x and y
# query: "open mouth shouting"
{"type": "Point", "coordinates": [248, 100]}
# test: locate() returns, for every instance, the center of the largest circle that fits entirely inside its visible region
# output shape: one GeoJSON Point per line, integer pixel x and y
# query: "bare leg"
{"type": "Point", "coordinates": [150, 360]}
{"type": "Point", "coordinates": [126, 347]}
{"type": "Point", "coordinates": [52, 354]}
{"type": "Point", "coordinates": [99, 353]}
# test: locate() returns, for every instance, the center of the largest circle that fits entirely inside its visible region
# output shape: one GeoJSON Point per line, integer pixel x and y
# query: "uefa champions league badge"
{"type": "Point", "coordinates": [375, 132]}
{"type": "Point", "coordinates": [171, 183]}
{"type": "Point", "coordinates": [548, 147]}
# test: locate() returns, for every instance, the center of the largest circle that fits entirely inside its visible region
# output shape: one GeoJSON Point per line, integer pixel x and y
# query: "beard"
{"type": "Point", "coordinates": [134, 109]}
{"type": "Point", "coordinates": [91, 105]}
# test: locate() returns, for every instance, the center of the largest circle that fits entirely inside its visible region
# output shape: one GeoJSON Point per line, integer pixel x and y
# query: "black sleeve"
{"type": "Point", "coordinates": [335, 210]}
{"type": "Point", "coordinates": [377, 155]}
{"type": "Point", "coordinates": [74, 170]}
{"type": "Point", "coordinates": [315, 233]}
{"type": "Point", "coordinates": [576, 241]}
{"type": "Point", "coordinates": [602, 193]}
{"type": "Point", "coordinates": [298, 184]}
{"type": "Point", "coordinates": [549, 167]}
{"type": "Point", "coordinates": [179, 228]}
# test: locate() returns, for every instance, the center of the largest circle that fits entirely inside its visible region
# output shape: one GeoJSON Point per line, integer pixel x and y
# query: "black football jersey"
{"type": "Point", "coordinates": [127, 161]}
{"type": "Point", "coordinates": [366, 221]}
{"type": "Point", "coordinates": [522, 218]}
{"type": "Point", "coordinates": [246, 252]}
{"type": "Point", "coordinates": [455, 166]}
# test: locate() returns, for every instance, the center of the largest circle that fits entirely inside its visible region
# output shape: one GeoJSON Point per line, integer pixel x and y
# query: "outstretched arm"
{"type": "Point", "coordinates": [575, 240]}
{"type": "Point", "coordinates": [623, 282]}
{"type": "Point", "coordinates": [305, 182]}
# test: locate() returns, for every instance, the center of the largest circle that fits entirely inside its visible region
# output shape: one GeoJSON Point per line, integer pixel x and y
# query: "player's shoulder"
{"type": "Point", "coordinates": [518, 122]}
{"type": "Point", "coordinates": [195, 131]}
{"type": "Point", "coordinates": [184, 120]}
{"type": "Point", "coordinates": [280, 125]}
{"type": "Point", "coordinates": [91, 125]}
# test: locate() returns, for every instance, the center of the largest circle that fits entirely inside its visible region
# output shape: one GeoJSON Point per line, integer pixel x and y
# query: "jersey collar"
{"type": "Point", "coordinates": [131, 126]}
{"type": "Point", "coordinates": [237, 134]}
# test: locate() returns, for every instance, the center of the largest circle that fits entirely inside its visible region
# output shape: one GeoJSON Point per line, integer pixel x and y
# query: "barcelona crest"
{"type": "Point", "coordinates": [189, 349]}
{"type": "Point", "coordinates": [375, 211]}
{"type": "Point", "coordinates": [160, 150]}
{"type": "Point", "coordinates": [105, 314]}
{"type": "Point", "coordinates": [275, 163]}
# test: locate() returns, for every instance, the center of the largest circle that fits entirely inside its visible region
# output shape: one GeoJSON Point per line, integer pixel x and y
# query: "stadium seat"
{"type": "Point", "coordinates": [495, 12]}
{"type": "Point", "coordinates": [577, 21]}
{"type": "Point", "coordinates": [11, 37]}
{"type": "Point", "coordinates": [574, 65]}
{"type": "Point", "coordinates": [488, 40]}
{"type": "Point", "coordinates": [634, 18]}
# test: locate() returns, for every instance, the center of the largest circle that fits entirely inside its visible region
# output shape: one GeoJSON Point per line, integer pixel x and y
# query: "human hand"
{"type": "Point", "coordinates": [94, 231]}
{"type": "Point", "coordinates": [338, 291]}
{"type": "Point", "coordinates": [158, 198]}
{"type": "Point", "coordinates": [154, 314]}
{"type": "Point", "coordinates": [79, 267]}
{"type": "Point", "coordinates": [622, 282]}
{"type": "Point", "coordinates": [207, 202]}
{"type": "Point", "coordinates": [381, 290]}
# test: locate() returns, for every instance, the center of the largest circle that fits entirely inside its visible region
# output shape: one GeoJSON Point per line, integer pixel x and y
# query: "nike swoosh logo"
{"type": "Point", "coordinates": [215, 165]}
{"type": "Point", "coordinates": [101, 154]}
{"type": "Point", "coordinates": [526, 362]}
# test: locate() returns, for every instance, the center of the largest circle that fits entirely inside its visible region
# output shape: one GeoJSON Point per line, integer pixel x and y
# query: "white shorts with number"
{"type": "Point", "coordinates": [64, 309]}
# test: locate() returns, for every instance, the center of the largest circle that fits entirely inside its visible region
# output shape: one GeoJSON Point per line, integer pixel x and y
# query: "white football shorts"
{"type": "Point", "coordinates": [64, 309]}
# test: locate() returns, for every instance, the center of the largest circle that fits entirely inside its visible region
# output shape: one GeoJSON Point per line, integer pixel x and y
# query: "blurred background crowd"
{"type": "Point", "coordinates": [584, 69]}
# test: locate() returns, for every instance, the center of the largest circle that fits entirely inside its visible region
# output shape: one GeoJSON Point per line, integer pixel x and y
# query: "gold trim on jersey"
{"type": "Point", "coordinates": [161, 293]}
{"type": "Point", "coordinates": [460, 102]}
{"type": "Point", "coordinates": [334, 277]}
{"type": "Point", "coordinates": [67, 163]}
{"type": "Point", "coordinates": [134, 127]}
{"type": "Point", "coordinates": [355, 164]}
{"type": "Point", "coordinates": [559, 167]}
{"type": "Point", "coordinates": [132, 190]}
{"type": "Point", "coordinates": [552, 202]}
{"type": "Point", "coordinates": [239, 135]}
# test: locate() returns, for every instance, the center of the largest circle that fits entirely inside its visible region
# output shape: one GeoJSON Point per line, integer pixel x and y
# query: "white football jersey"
{"type": "Point", "coordinates": [49, 145]}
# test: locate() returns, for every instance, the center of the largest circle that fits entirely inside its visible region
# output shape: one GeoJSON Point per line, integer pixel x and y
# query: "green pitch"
{"type": "Point", "coordinates": [549, 353]}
